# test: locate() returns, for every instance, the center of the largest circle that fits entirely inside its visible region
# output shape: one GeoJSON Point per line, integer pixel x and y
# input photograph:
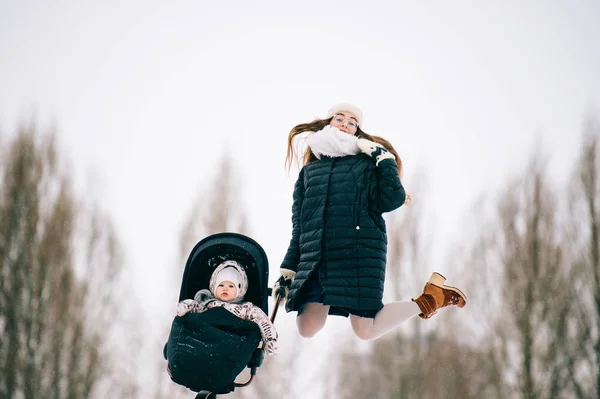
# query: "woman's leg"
{"type": "Point", "coordinates": [312, 319]}
{"type": "Point", "coordinates": [390, 316]}
{"type": "Point", "coordinates": [436, 295]}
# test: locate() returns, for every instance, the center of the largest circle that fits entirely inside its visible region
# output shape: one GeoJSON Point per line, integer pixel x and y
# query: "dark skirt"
{"type": "Point", "coordinates": [311, 292]}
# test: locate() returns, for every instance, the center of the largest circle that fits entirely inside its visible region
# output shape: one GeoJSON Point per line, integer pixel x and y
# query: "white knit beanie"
{"type": "Point", "coordinates": [348, 108]}
{"type": "Point", "coordinates": [229, 274]}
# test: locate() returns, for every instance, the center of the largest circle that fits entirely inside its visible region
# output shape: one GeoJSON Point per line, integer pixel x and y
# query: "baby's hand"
{"type": "Point", "coordinates": [183, 307]}
{"type": "Point", "coordinates": [271, 348]}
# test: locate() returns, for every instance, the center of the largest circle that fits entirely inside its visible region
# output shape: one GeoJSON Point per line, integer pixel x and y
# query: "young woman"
{"type": "Point", "coordinates": [335, 263]}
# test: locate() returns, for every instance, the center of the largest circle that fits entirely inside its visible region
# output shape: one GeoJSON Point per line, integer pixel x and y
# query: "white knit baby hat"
{"type": "Point", "coordinates": [348, 108]}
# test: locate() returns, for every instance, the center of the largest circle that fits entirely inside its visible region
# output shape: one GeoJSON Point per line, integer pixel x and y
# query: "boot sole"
{"type": "Point", "coordinates": [439, 281]}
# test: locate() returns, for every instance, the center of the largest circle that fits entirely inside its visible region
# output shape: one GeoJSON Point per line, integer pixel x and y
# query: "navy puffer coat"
{"type": "Point", "coordinates": [338, 229]}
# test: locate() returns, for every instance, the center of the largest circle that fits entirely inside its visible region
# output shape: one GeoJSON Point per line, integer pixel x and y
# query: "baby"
{"type": "Point", "coordinates": [228, 285]}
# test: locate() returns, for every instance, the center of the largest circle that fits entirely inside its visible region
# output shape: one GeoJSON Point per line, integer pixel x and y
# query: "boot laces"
{"type": "Point", "coordinates": [453, 298]}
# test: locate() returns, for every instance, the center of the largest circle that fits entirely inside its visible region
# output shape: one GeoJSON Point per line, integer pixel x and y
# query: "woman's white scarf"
{"type": "Point", "coordinates": [332, 142]}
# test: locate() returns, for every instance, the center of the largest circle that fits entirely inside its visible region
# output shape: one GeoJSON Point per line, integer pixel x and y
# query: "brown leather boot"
{"type": "Point", "coordinates": [437, 295]}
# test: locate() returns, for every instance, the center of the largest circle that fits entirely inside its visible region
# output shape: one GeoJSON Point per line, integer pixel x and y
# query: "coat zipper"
{"type": "Point", "coordinates": [358, 203]}
{"type": "Point", "coordinates": [356, 213]}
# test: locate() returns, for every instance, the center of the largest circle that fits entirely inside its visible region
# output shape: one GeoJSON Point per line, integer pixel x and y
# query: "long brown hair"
{"type": "Point", "coordinates": [319, 124]}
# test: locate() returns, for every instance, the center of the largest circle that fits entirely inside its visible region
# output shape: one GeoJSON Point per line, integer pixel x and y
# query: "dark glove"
{"type": "Point", "coordinates": [283, 283]}
{"type": "Point", "coordinates": [374, 150]}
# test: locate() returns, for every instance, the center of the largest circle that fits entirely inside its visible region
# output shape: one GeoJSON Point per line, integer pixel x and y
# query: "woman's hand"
{"type": "Point", "coordinates": [283, 283]}
{"type": "Point", "coordinates": [374, 150]}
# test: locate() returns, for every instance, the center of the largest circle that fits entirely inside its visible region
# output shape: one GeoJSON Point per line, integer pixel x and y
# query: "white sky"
{"type": "Point", "coordinates": [147, 95]}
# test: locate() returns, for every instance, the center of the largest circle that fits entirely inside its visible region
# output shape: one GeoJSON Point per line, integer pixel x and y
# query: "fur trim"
{"type": "Point", "coordinates": [287, 273]}
{"type": "Point", "coordinates": [332, 142]}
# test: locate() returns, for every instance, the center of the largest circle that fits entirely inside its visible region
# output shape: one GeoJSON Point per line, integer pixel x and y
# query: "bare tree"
{"type": "Point", "coordinates": [218, 208]}
{"type": "Point", "coordinates": [583, 364]}
{"type": "Point", "coordinates": [523, 280]}
{"type": "Point", "coordinates": [51, 302]}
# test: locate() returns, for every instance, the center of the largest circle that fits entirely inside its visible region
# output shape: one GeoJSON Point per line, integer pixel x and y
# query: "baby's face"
{"type": "Point", "coordinates": [226, 291]}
